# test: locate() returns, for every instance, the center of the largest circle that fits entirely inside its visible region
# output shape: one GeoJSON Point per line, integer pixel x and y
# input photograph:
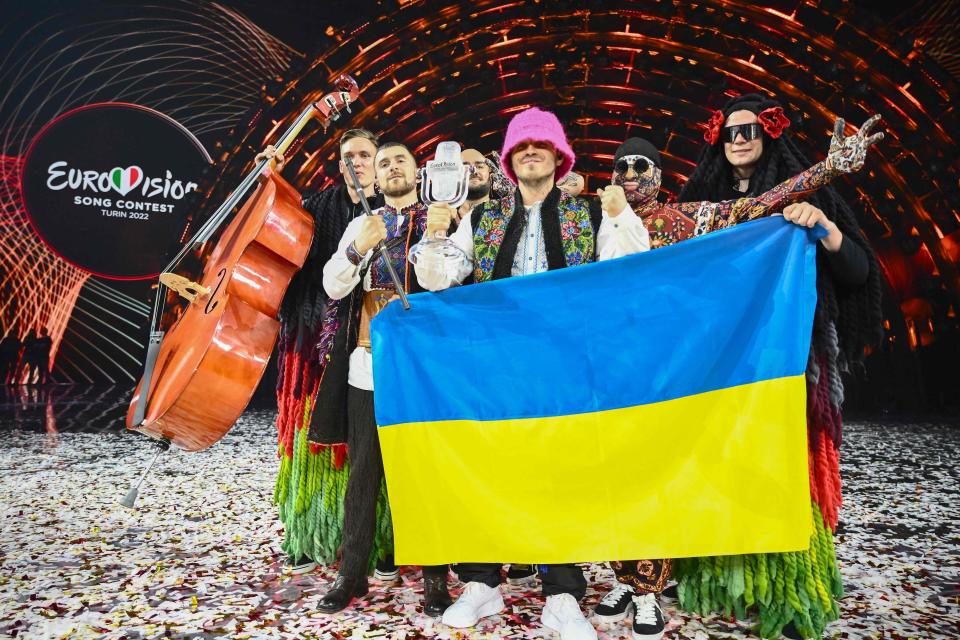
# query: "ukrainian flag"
{"type": "Point", "coordinates": [652, 406]}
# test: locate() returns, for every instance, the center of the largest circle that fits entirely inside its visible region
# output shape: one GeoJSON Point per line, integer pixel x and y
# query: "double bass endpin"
{"type": "Point", "coordinates": [131, 497]}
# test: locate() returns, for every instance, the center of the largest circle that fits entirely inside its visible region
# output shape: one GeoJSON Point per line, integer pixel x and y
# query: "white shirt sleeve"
{"type": "Point", "coordinates": [621, 236]}
{"type": "Point", "coordinates": [437, 274]}
{"type": "Point", "coordinates": [340, 275]}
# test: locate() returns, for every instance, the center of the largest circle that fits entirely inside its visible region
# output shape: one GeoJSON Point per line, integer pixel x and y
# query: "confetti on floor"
{"type": "Point", "coordinates": [200, 557]}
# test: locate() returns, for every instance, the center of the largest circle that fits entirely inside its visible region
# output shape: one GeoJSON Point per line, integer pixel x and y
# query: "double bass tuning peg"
{"type": "Point", "coordinates": [335, 104]}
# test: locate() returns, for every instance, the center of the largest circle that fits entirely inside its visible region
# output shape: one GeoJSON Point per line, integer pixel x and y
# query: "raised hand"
{"type": "Point", "coordinates": [847, 154]}
{"type": "Point", "coordinates": [372, 231]}
{"type": "Point", "coordinates": [612, 200]}
{"type": "Point", "coordinates": [439, 218]}
{"type": "Point", "coordinates": [271, 153]}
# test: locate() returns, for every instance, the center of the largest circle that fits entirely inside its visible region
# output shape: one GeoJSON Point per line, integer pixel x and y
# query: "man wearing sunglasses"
{"type": "Point", "coordinates": [750, 150]}
{"type": "Point", "coordinates": [743, 146]}
{"type": "Point", "coordinates": [537, 229]}
{"type": "Point", "coordinates": [636, 170]}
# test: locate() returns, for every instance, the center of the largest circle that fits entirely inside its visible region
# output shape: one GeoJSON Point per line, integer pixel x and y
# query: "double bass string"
{"type": "Point", "coordinates": [220, 215]}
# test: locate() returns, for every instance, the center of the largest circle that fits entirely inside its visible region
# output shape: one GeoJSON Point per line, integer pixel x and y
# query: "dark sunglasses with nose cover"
{"type": "Point", "coordinates": [748, 131]}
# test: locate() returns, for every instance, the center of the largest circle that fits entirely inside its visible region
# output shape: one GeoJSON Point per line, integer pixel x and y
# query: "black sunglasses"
{"type": "Point", "coordinates": [640, 164]}
{"type": "Point", "coordinates": [748, 131]}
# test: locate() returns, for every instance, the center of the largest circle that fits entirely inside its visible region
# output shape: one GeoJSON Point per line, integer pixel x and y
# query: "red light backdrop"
{"type": "Point", "coordinates": [435, 71]}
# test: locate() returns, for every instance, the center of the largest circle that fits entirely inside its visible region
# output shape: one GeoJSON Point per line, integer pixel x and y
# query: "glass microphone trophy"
{"type": "Point", "coordinates": [445, 179]}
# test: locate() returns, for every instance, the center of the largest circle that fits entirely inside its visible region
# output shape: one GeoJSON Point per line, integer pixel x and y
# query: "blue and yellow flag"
{"type": "Point", "coordinates": [652, 406]}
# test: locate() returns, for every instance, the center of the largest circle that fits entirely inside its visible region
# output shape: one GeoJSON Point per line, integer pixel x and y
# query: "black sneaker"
{"type": "Point", "coordinates": [436, 598]}
{"type": "Point", "coordinates": [298, 566]}
{"type": "Point", "coordinates": [616, 605]}
{"type": "Point", "coordinates": [648, 622]}
{"type": "Point", "coordinates": [521, 575]}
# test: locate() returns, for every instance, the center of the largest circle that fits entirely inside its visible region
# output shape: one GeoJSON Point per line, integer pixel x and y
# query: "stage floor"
{"type": "Point", "coordinates": [200, 557]}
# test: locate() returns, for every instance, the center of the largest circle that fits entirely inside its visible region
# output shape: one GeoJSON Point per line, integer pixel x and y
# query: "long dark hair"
{"type": "Point", "coordinates": [854, 311]}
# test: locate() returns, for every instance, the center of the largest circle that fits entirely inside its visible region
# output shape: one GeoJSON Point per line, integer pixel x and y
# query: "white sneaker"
{"type": "Point", "coordinates": [562, 614]}
{"type": "Point", "coordinates": [477, 601]}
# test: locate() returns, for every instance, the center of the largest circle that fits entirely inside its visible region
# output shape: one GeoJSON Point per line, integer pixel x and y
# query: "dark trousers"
{"type": "Point", "coordinates": [363, 488]}
{"type": "Point", "coordinates": [556, 578]}
{"type": "Point", "coordinates": [646, 576]}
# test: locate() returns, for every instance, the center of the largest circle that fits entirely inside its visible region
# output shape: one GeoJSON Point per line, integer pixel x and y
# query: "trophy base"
{"type": "Point", "coordinates": [441, 249]}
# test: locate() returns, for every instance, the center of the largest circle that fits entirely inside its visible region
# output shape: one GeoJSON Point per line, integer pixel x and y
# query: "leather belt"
{"type": "Point", "coordinates": [373, 303]}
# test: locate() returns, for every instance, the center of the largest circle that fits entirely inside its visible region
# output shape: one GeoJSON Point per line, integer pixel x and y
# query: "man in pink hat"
{"type": "Point", "coordinates": [537, 228]}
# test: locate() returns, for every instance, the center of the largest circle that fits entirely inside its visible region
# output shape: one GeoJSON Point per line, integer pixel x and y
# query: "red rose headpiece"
{"type": "Point", "coordinates": [773, 121]}
{"type": "Point", "coordinates": [713, 126]}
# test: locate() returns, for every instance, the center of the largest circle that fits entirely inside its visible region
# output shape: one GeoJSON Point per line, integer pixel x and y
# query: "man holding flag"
{"type": "Point", "coordinates": [538, 228]}
{"type": "Point", "coordinates": [597, 384]}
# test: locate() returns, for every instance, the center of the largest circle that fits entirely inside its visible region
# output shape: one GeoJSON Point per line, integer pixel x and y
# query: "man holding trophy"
{"type": "Point", "coordinates": [537, 228]}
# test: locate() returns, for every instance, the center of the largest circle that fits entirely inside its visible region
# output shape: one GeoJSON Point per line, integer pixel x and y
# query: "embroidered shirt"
{"type": "Point", "coordinates": [341, 275]}
{"type": "Point", "coordinates": [531, 254]}
{"type": "Point", "coordinates": [619, 236]}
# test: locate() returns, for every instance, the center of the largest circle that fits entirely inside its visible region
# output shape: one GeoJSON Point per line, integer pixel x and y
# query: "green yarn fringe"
{"type": "Point", "coordinates": [800, 587]}
{"type": "Point", "coordinates": [309, 492]}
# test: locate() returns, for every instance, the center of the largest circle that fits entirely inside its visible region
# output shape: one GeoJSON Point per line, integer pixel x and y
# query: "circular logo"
{"type": "Point", "coordinates": [106, 187]}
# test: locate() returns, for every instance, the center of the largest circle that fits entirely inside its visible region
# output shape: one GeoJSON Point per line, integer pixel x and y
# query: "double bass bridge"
{"type": "Point", "coordinates": [188, 289]}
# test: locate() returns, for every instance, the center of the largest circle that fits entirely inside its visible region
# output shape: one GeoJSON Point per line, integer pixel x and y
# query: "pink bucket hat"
{"type": "Point", "coordinates": [541, 126]}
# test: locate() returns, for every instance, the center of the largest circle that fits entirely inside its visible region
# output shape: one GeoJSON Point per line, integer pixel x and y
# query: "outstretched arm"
{"type": "Point", "coordinates": [847, 155]}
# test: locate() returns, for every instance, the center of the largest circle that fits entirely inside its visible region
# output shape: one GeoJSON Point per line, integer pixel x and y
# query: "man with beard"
{"type": "Point", "coordinates": [749, 150]}
{"type": "Point", "coordinates": [310, 516]}
{"type": "Point", "coordinates": [357, 276]}
{"type": "Point", "coordinates": [481, 181]}
{"type": "Point", "coordinates": [480, 191]}
{"type": "Point", "coordinates": [537, 228]}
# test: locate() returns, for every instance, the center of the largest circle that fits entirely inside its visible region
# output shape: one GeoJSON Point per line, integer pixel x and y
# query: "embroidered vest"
{"type": "Point", "coordinates": [576, 232]}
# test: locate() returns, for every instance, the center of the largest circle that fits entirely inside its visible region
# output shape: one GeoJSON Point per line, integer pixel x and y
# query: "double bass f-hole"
{"type": "Point", "coordinates": [213, 302]}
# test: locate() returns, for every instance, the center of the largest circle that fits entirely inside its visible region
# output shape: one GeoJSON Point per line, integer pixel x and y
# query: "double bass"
{"type": "Point", "coordinates": [199, 375]}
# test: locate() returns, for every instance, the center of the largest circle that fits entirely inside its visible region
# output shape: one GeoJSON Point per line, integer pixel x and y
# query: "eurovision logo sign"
{"type": "Point", "coordinates": [107, 187]}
